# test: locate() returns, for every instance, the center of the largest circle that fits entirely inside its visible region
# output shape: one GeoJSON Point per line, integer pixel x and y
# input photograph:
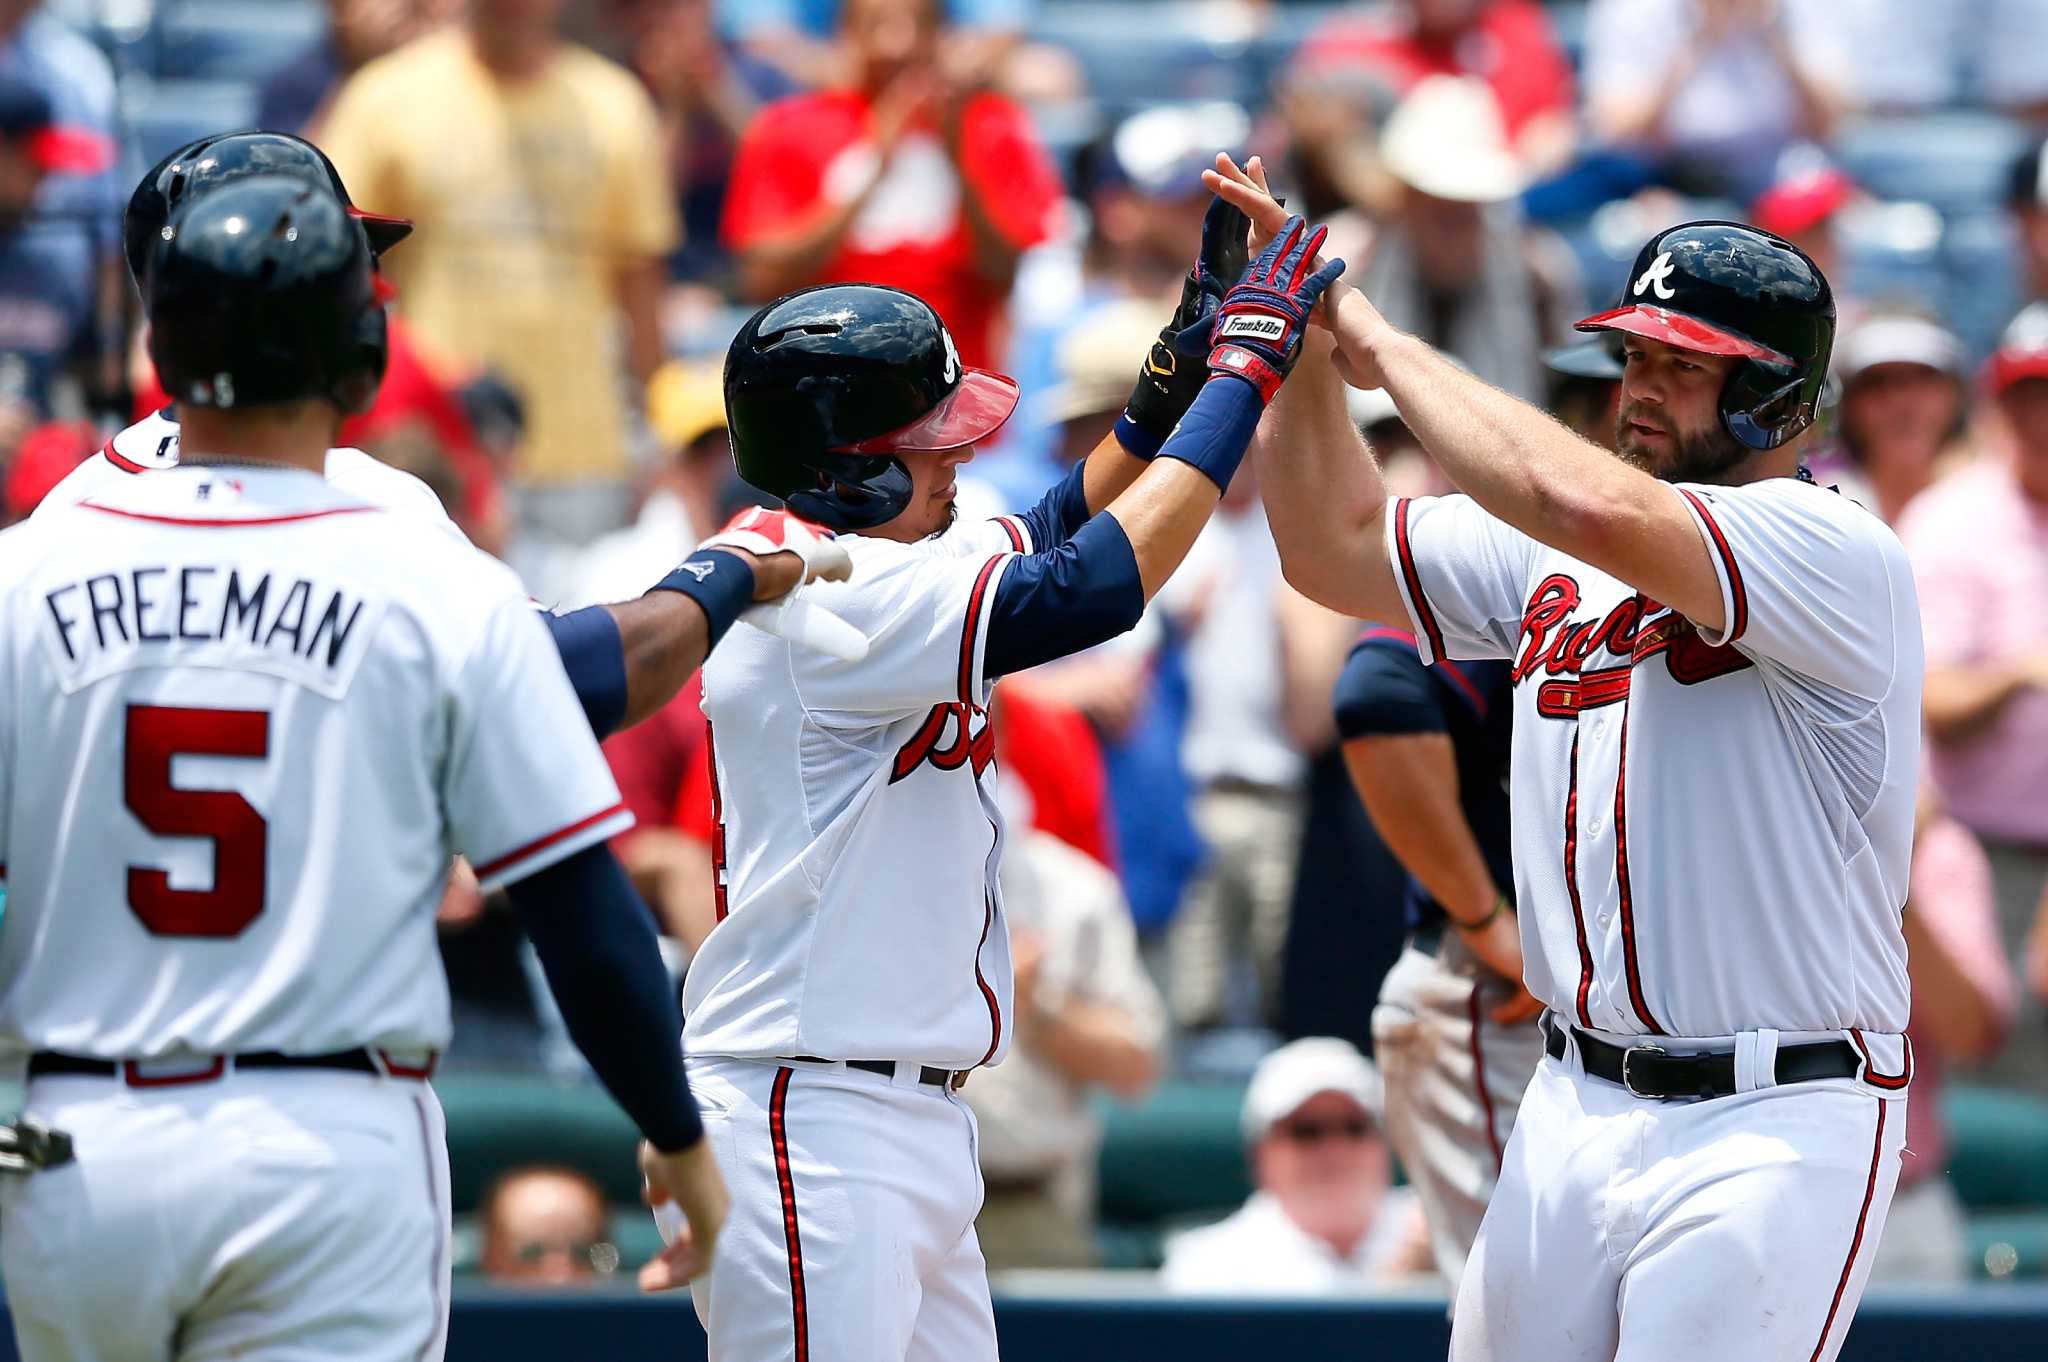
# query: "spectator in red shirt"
{"type": "Point", "coordinates": [897, 180]}
{"type": "Point", "coordinates": [1510, 44]}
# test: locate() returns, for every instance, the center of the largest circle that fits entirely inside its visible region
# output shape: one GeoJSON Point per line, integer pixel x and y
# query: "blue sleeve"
{"type": "Point", "coordinates": [1387, 690]}
{"type": "Point", "coordinates": [1059, 512]}
{"type": "Point", "coordinates": [1051, 605]}
{"type": "Point", "coordinates": [595, 939]}
{"type": "Point", "coordinates": [595, 659]}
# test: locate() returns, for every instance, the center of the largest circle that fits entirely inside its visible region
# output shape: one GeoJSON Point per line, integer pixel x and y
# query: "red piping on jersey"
{"type": "Point", "coordinates": [778, 1135]}
{"type": "Point", "coordinates": [1009, 525]}
{"type": "Point", "coordinates": [1628, 917]}
{"type": "Point", "coordinates": [1571, 883]}
{"type": "Point", "coordinates": [1479, 1078]}
{"type": "Point", "coordinates": [490, 868]}
{"type": "Point", "coordinates": [719, 905]}
{"type": "Point", "coordinates": [972, 627]}
{"type": "Point", "coordinates": [1889, 1082]}
{"type": "Point", "coordinates": [1862, 1219]}
{"type": "Point", "coordinates": [219, 524]}
{"type": "Point", "coordinates": [1423, 613]}
{"type": "Point", "coordinates": [995, 1010]}
{"type": "Point", "coordinates": [126, 465]}
{"type": "Point", "coordinates": [1741, 597]}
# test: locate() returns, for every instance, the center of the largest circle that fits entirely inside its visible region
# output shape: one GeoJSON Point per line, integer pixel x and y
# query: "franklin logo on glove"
{"type": "Point", "coordinates": [1259, 328]}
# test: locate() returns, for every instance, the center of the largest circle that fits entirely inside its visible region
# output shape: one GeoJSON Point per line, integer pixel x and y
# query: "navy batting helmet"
{"type": "Point", "coordinates": [225, 157]}
{"type": "Point", "coordinates": [1723, 288]}
{"type": "Point", "coordinates": [825, 386]}
{"type": "Point", "coordinates": [264, 291]}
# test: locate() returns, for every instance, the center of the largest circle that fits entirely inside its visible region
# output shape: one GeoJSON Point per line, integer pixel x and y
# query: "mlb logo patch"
{"type": "Point", "coordinates": [1254, 326]}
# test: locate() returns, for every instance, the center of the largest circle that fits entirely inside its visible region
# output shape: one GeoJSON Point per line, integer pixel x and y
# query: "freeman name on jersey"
{"type": "Point", "coordinates": [117, 612]}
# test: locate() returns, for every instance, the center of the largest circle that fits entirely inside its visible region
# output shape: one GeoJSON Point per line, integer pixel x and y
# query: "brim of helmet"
{"type": "Point", "coordinates": [384, 231]}
{"type": "Point", "coordinates": [968, 415]}
{"type": "Point", "coordinates": [1682, 330]}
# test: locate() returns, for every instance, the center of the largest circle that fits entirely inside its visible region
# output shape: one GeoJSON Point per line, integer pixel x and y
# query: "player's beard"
{"type": "Point", "coordinates": [951, 518]}
{"type": "Point", "coordinates": [1697, 456]}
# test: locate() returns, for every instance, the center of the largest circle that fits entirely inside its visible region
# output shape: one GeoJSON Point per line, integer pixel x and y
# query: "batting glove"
{"type": "Point", "coordinates": [1176, 368]}
{"type": "Point", "coordinates": [1259, 330]}
{"type": "Point", "coordinates": [793, 615]}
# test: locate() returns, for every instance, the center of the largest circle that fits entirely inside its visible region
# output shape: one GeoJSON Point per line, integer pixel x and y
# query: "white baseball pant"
{"type": "Point", "coordinates": [274, 1216]}
{"type": "Point", "coordinates": [1454, 1080]}
{"type": "Point", "coordinates": [851, 1236]}
{"type": "Point", "coordinates": [1631, 1230]}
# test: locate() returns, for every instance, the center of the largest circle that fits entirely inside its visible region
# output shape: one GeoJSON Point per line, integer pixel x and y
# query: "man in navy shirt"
{"type": "Point", "coordinates": [48, 265]}
{"type": "Point", "coordinates": [1454, 1033]}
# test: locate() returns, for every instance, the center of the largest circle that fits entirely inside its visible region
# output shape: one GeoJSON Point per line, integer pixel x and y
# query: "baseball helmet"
{"type": "Point", "coordinates": [218, 159]}
{"type": "Point", "coordinates": [263, 291]}
{"type": "Point", "coordinates": [1722, 288]}
{"type": "Point", "coordinates": [825, 386]}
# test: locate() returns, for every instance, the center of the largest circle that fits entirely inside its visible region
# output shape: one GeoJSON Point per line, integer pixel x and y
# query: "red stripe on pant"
{"type": "Point", "coordinates": [1479, 1079]}
{"type": "Point", "coordinates": [1862, 1221]}
{"type": "Point", "coordinates": [779, 1098]}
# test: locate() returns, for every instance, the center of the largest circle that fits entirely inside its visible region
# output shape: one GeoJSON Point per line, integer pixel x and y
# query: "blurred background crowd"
{"type": "Point", "coordinates": [604, 188]}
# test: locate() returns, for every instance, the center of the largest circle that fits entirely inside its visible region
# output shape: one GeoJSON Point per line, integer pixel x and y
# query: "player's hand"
{"type": "Point", "coordinates": [787, 551]}
{"type": "Point", "coordinates": [1259, 330]}
{"type": "Point", "coordinates": [1248, 191]}
{"type": "Point", "coordinates": [688, 1184]}
{"type": "Point", "coordinates": [1177, 366]}
{"type": "Point", "coordinates": [1498, 946]}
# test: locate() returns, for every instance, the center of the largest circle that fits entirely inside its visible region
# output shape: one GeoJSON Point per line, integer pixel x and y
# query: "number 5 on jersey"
{"type": "Point", "coordinates": [156, 736]}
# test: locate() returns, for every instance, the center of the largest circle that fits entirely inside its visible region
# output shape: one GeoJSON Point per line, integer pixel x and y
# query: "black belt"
{"type": "Point", "coordinates": [49, 1064]}
{"type": "Point", "coordinates": [1654, 1072]}
{"type": "Point", "coordinates": [937, 1078]}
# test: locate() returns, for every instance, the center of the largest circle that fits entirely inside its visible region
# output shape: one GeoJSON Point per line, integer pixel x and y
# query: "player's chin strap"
{"type": "Point", "coordinates": [29, 1146]}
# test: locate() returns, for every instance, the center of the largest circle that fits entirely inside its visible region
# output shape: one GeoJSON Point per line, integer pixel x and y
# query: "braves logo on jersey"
{"type": "Point", "coordinates": [1636, 630]}
{"type": "Point", "coordinates": [950, 737]}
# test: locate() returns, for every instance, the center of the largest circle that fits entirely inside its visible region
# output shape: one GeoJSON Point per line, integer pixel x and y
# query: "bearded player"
{"type": "Point", "coordinates": [1717, 670]}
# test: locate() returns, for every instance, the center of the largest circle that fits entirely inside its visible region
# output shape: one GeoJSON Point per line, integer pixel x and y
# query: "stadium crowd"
{"type": "Point", "coordinates": [603, 188]}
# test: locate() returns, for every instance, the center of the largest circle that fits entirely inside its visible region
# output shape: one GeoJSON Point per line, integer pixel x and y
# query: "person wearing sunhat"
{"type": "Point", "coordinates": [1455, 264]}
{"type": "Point", "coordinates": [1324, 1217]}
{"type": "Point", "coordinates": [1978, 541]}
{"type": "Point", "coordinates": [1899, 417]}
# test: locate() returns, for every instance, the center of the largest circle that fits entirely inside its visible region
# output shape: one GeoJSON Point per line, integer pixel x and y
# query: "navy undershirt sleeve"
{"type": "Point", "coordinates": [595, 659]}
{"type": "Point", "coordinates": [1051, 605]}
{"type": "Point", "coordinates": [595, 939]}
{"type": "Point", "coordinates": [1059, 512]}
{"type": "Point", "coordinates": [1384, 691]}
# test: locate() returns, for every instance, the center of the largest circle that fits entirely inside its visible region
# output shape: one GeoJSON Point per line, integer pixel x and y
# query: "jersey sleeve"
{"type": "Point", "coordinates": [1463, 576]}
{"type": "Point", "coordinates": [926, 616]}
{"type": "Point", "coordinates": [1385, 689]}
{"type": "Point", "coordinates": [525, 784]}
{"type": "Point", "coordinates": [1809, 580]}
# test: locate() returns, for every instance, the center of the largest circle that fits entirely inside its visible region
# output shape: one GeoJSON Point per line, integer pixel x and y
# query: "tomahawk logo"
{"type": "Point", "coordinates": [698, 570]}
{"type": "Point", "coordinates": [952, 356]}
{"type": "Point", "coordinates": [1654, 277]}
{"type": "Point", "coordinates": [1258, 326]}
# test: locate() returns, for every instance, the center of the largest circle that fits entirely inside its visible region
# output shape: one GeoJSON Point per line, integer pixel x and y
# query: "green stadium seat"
{"type": "Point", "coordinates": [497, 1122]}
{"type": "Point", "coordinates": [1998, 1156]}
{"type": "Point", "coordinates": [1176, 1155]}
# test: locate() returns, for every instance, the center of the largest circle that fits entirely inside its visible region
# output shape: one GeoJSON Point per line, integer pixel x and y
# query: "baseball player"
{"type": "Point", "coordinates": [245, 718]}
{"type": "Point", "coordinates": [1717, 670]}
{"type": "Point", "coordinates": [1427, 750]}
{"type": "Point", "coordinates": [860, 965]}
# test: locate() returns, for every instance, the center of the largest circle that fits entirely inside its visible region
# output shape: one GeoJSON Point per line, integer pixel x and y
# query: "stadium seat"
{"type": "Point", "coordinates": [497, 1122]}
{"type": "Point", "coordinates": [163, 115]}
{"type": "Point", "coordinates": [1177, 1155]}
{"type": "Point", "coordinates": [242, 40]}
{"type": "Point", "coordinates": [1998, 1156]}
{"type": "Point", "coordinates": [1955, 159]}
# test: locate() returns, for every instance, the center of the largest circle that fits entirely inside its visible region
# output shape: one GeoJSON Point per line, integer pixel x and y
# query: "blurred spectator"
{"type": "Point", "coordinates": [1323, 1218]}
{"type": "Point", "coordinates": [900, 178]}
{"type": "Point", "coordinates": [2007, 70]}
{"type": "Point", "coordinates": [531, 166]}
{"type": "Point", "coordinates": [796, 36]}
{"type": "Point", "coordinates": [1804, 205]}
{"type": "Point", "coordinates": [1909, 56]}
{"type": "Point", "coordinates": [1715, 89]}
{"type": "Point", "coordinates": [686, 410]}
{"type": "Point", "coordinates": [545, 1227]}
{"type": "Point", "coordinates": [1901, 410]}
{"type": "Point", "coordinates": [358, 32]}
{"type": "Point", "coordinates": [2027, 196]}
{"type": "Point", "coordinates": [1241, 756]}
{"type": "Point", "coordinates": [1049, 747]}
{"type": "Point", "coordinates": [2037, 951]}
{"type": "Point", "coordinates": [49, 270]}
{"type": "Point", "coordinates": [1583, 387]}
{"type": "Point", "coordinates": [663, 769]}
{"type": "Point", "coordinates": [1978, 541]}
{"type": "Point", "coordinates": [41, 459]}
{"type": "Point", "coordinates": [1455, 265]}
{"type": "Point", "coordinates": [1963, 998]}
{"type": "Point", "coordinates": [1087, 1018]}
{"type": "Point", "coordinates": [1511, 45]}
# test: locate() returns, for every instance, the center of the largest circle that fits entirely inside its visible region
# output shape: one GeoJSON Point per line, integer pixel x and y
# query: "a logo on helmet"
{"type": "Point", "coordinates": [952, 356]}
{"type": "Point", "coordinates": [1653, 278]}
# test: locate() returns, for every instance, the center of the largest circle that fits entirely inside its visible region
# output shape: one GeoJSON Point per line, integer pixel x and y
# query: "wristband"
{"type": "Point", "coordinates": [1217, 430]}
{"type": "Point", "coordinates": [1137, 441]}
{"type": "Point", "coordinates": [1500, 905]}
{"type": "Point", "coordinates": [719, 581]}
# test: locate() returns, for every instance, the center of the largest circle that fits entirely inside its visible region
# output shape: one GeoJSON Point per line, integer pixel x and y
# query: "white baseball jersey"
{"type": "Point", "coordinates": [1711, 834]}
{"type": "Point", "coordinates": [151, 445]}
{"type": "Point", "coordinates": [245, 720]}
{"type": "Point", "coordinates": [858, 837]}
